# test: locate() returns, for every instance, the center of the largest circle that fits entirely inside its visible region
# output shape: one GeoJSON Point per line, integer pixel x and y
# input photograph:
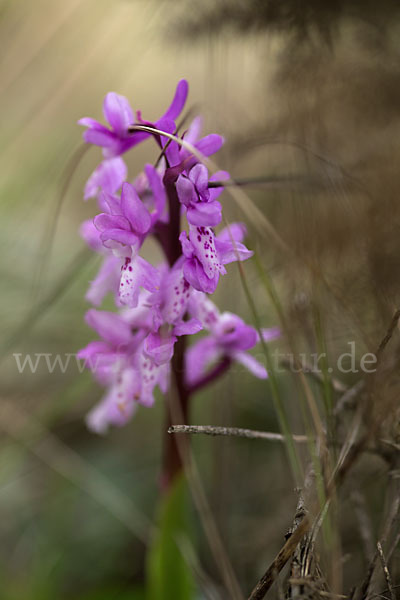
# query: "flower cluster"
{"type": "Point", "coordinates": [156, 305]}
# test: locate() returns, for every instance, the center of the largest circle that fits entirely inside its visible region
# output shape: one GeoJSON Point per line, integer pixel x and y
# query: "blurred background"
{"type": "Point", "coordinates": [307, 96]}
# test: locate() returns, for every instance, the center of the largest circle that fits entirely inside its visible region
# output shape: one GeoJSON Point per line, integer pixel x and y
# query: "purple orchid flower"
{"type": "Point", "coordinates": [229, 338]}
{"type": "Point", "coordinates": [118, 362]}
{"type": "Point", "coordinates": [123, 230]}
{"type": "Point", "coordinates": [132, 356]}
{"type": "Point", "coordinates": [116, 139]}
{"type": "Point", "coordinates": [127, 222]}
{"type": "Point", "coordinates": [132, 386]}
{"type": "Point", "coordinates": [117, 341]}
{"type": "Point", "coordinates": [117, 405]}
{"type": "Point", "coordinates": [206, 254]}
{"type": "Point", "coordinates": [202, 207]}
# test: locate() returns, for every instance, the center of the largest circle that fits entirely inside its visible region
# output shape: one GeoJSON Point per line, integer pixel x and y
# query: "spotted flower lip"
{"type": "Point", "coordinates": [206, 254]}
{"type": "Point", "coordinates": [116, 139]}
{"type": "Point", "coordinates": [136, 272]}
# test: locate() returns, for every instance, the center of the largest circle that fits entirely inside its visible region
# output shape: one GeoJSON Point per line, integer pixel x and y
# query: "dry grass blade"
{"type": "Point", "coordinates": [285, 553]}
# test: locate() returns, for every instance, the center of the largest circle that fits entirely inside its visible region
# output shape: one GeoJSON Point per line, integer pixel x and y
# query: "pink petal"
{"type": "Point", "coordinates": [207, 214]}
{"type": "Point", "coordinates": [178, 101]}
{"type": "Point", "coordinates": [199, 176]}
{"type": "Point", "coordinates": [194, 274]}
{"type": "Point", "coordinates": [198, 357]}
{"type": "Point", "coordinates": [91, 235]}
{"type": "Point", "coordinates": [187, 247]}
{"type": "Point", "coordinates": [185, 190]}
{"type": "Point", "coordinates": [134, 209]}
{"type": "Point", "coordinates": [103, 221]}
{"type": "Point", "coordinates": [271, 334]}
{"type": "Point", "coordinates": [210, 144]}
{"type": "Point", "coordinates": [104, 138]}
{"type": "Point", "coordinates": [109, 326]}
{"type": "Point", "coordinates": [109, 203]}
{"type": "Point", "coordinates": [106, 280]}
{"type": "Point", "coordinates": [206, 284]}
{"type": "Point", "coordinates": [231, 252]}
{"type": "Point", "coordinates": [118, 406]}
{"type": "Point", "coordinates": [108, 176]}
{"type": "Point", "coordinates": [201, 307]}
{"type": "Point", "coordinates": [93, 124]}
{"type": "Point", "coordinates": [160, 348]}
{"type": "Point", "coordinates": [149, 276]}
{"type": "Point", "coordinates": [188, 327]}
{"type": "Point", "coordinates": [152, 375]}
{"type": "Point", "coordinates": [118, 112]}
{"type": "Point", "coordinates": [218, 176]}
{"type": "Point", "coordinates": [234, 231]}
{"type": "Point", "coordinates": [251, 364]}
{"type": "Point", "coordinates": [91, 350]}
{"type": "Point", "coordinates": [158, 191]}
{"type": "Point", "coordinates": [128, 238]}
{"type": "Point", "coordinates": [192, 134]}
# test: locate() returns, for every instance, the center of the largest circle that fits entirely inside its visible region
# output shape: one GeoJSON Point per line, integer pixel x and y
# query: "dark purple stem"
{"type": "Point", "coordinates": [219, 369]}
{"type": "Point", "coordinates": [169, 238]}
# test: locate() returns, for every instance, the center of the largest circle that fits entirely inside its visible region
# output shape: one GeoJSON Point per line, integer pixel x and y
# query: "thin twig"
{"type": "Point", "coordinates": [234, 432]}
{"type": "Point", "coordinates": [386, 571]}
{"type": "Point", "coordinates": [389, 333]}
{"type": "Point", "coordinates": [364, 588]}
{"type": "Point", "coordinates": [271, 181]}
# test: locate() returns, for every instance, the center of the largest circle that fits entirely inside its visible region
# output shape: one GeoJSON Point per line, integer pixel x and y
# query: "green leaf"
{"type": "Point", "coordinates": [168, 575]}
